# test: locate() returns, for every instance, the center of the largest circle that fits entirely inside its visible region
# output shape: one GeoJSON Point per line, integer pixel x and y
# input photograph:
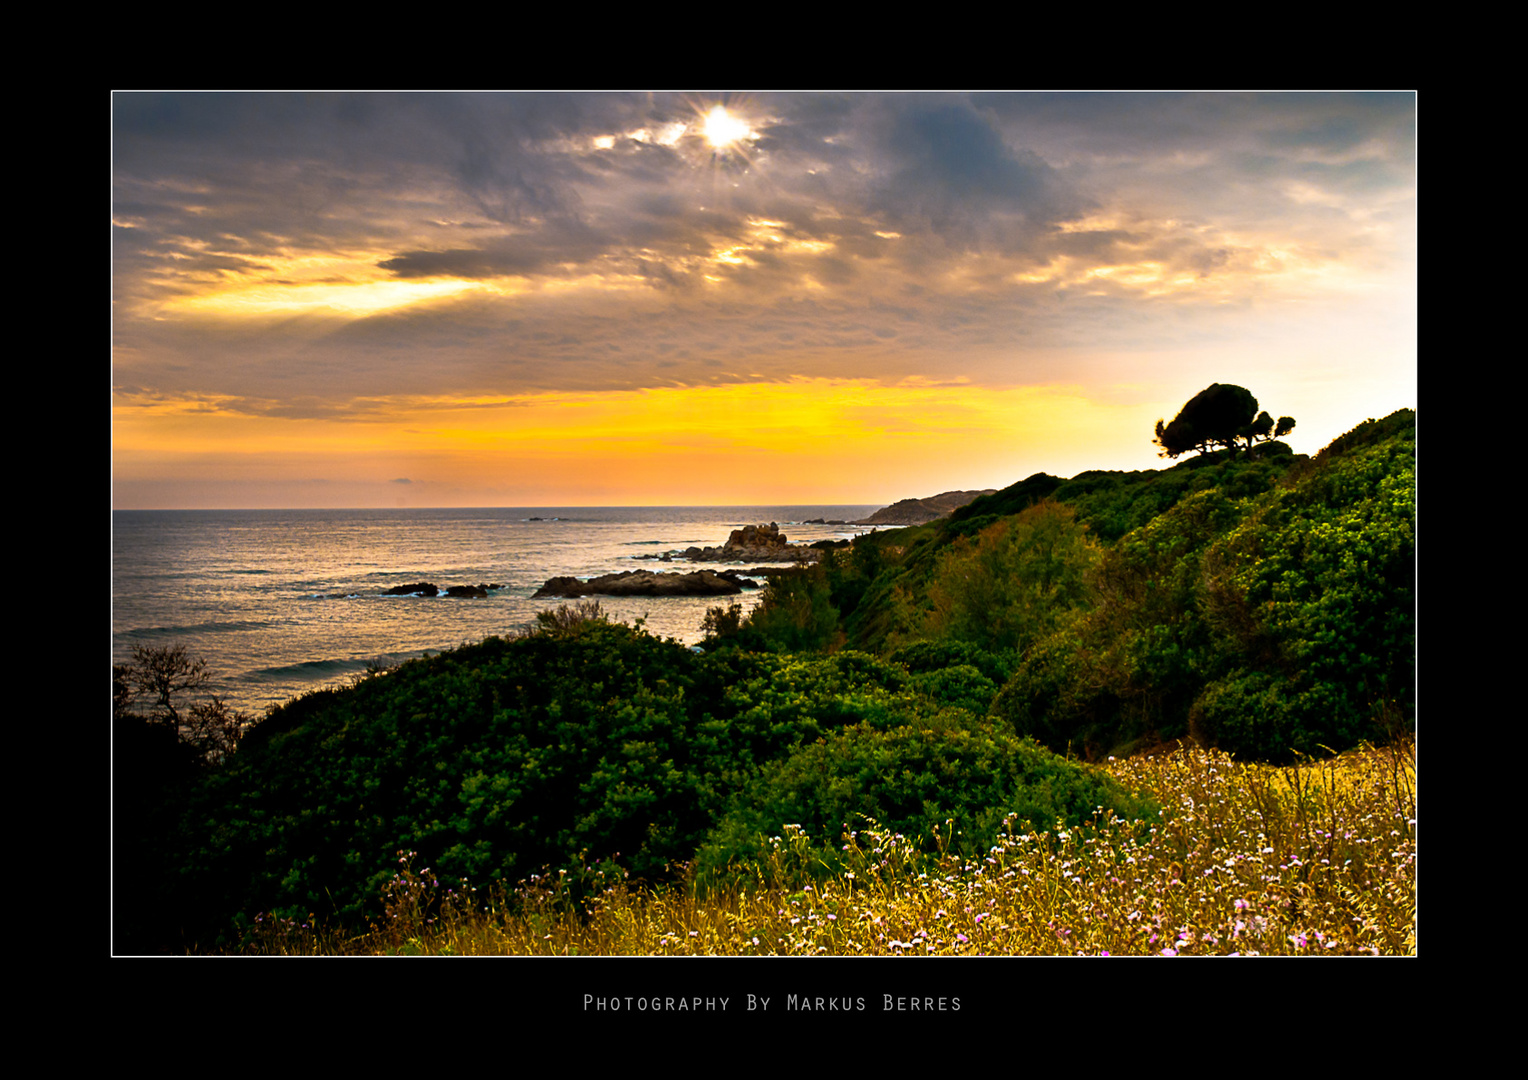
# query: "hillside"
{"type": "Point", "coordinates": [954, 677]}
{"type": "Point", "coordinates": [922, 511]}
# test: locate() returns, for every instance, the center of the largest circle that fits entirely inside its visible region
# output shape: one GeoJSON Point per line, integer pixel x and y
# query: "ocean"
{"type": "Point", "coordinates": [282, 602]}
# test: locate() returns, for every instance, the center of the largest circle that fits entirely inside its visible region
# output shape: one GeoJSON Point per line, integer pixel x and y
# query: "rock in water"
{"type": "Point", "coordinates": [647, 583]}
{"type": "Point", "coordinates": [424, 588]}
{"type": "Point", "coordinates": [755, 543]}
{"type": "Point", "coordinates": [421, 588]}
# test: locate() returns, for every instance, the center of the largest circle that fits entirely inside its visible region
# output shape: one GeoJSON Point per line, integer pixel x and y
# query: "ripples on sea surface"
{"type": "Point", "coordinates": [281, 602]}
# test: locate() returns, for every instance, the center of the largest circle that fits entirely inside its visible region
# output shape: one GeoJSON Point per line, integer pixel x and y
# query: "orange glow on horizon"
{"type": "Point", "coordinates": [809, 440]}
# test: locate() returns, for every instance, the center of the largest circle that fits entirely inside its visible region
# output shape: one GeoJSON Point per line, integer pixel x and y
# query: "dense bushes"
{"type": "Point", "coordinates": [797, 611]}
{"type": "Point", "coordinates": [592, 745]}
{"type": "Point", "coordinates": [1264, 625]}
{"type": "Point", "coordinates": [1258, 601]}
{"type": "Point", "coordinates": [935, 779]}
{"type": "Point", "coordinates": [1316, 590]}
{"type": "Point", "coordinates": [490, 761]}
{"type": "Point", "coordinates": [1013, 582]}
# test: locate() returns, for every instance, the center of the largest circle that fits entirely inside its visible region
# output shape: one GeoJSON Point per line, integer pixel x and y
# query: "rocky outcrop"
{"type": "Point", "coordinates": [755, 543]}
{"type": "Point", "coordinates": [922, 511]}
{"type": "Point", "coordinates": [424, 588]}
{"type": "Point", "coordinates": [647, 583]}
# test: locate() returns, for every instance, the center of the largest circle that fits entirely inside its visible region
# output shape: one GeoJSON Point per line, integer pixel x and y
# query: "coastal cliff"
{"type": "Point", "coordinates": [922, 511]}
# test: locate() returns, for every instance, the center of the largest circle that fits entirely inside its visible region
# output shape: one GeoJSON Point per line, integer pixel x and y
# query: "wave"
{"type": "Point", "coordinates": [318, 670]}
{"type": "Point", "coordinates": [306, 670]}
{"type": "Point", "coordinates": [199, 628]}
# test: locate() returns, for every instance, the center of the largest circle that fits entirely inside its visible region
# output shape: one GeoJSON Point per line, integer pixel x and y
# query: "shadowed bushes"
{"type": "Point", "coordinates": [936, 777]}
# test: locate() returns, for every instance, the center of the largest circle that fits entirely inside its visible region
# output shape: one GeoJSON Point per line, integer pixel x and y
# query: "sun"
{"type": "Point", "coordinates": [721, 128]}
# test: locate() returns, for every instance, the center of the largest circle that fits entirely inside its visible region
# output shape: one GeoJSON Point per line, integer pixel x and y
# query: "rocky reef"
{"type": "Point", "coordinates": [647, 583]}
{"type": "Point", "coordinates": [425, 588]}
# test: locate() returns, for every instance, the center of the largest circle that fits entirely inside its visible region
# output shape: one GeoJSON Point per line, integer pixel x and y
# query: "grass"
{"type": "Point", "coordinates": [1318, 858]}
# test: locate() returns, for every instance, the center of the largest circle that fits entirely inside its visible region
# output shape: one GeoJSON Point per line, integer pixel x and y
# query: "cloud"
{"type": "Point", "coordinates": [313, 252]}
{"type": "Point", "coordinates": [950, 168]}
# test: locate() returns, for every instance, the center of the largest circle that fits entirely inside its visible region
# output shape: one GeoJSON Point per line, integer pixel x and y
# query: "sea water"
{"type": "Point", "coordinates": [282, 602]}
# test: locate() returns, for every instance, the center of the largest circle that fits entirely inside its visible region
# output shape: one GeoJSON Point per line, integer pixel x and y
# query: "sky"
{"type": "Point", "coordinates": [711, 298]}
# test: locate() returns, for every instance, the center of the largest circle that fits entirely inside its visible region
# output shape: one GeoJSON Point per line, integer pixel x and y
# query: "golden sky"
{"type": "Point", "coordinates": [339, 300]}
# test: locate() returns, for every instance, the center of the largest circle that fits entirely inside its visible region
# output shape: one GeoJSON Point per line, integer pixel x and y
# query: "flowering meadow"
{"type": "Point", "coordinates": [1313, 858]}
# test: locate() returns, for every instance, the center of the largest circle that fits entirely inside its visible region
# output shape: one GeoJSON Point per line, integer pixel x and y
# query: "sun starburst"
{"type": "Point", "coordinates": [723, 128]}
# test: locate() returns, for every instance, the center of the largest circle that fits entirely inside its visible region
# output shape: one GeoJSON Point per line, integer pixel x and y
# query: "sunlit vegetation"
{"type": "Point", "coordinates": [1314, 858]}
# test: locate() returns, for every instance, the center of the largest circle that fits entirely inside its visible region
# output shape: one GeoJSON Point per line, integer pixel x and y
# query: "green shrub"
{"type": "Point", "coordinates": [1009, 586]}
{"type": "Point", "coordinates": [1268, 717]}
{"type": "Point", "coordinates": [797, 612]}
{"type": "Point", "coordinates": [1061, 697]}
{"type": "Point", "coordinates": [1314, 595]}
{"type": "Point", "coordinates": [959, 687]}
{"type": "Point", "coordinates": [922, 780]}
{"type": "Point", "coordinates": [723, 622]}
{"type": "Point", "coordinates": [924, 656]}
{"type": "Point", "coordinates": [1263, 625]}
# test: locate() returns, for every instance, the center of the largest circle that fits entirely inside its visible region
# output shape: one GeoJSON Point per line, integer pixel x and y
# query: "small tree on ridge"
{"type": "Point", "coordinates": [1220, 415]}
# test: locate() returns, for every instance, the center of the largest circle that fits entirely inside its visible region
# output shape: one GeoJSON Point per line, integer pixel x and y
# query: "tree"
{"type": "Point", "coordinates": [1220, 415]}
{"type": "Point", "coordinates": [164, 675]}
{"type": "Point", "coordinates": [723, 622]}
{"type": "Point", "coordinates": [797, 612]}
